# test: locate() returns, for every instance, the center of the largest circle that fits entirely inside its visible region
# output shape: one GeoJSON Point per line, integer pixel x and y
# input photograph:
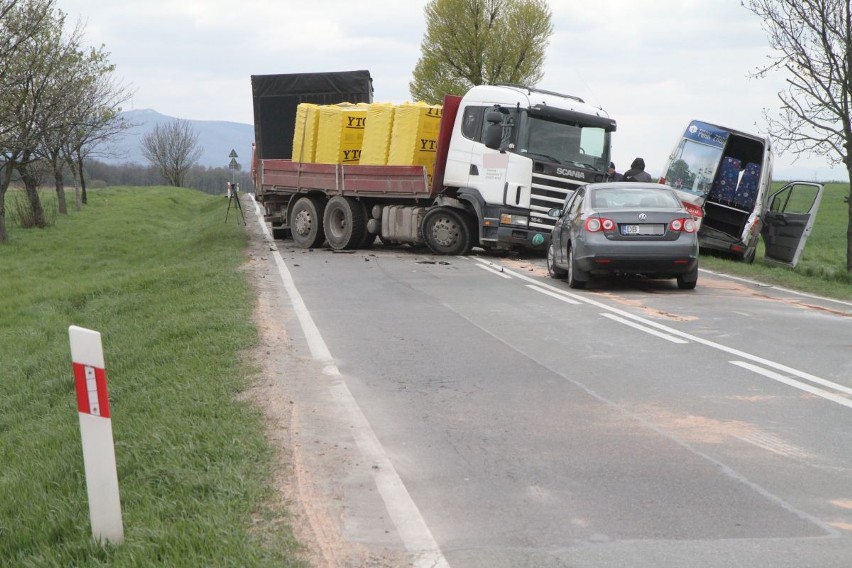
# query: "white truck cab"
{"type": "Point", "coordinates": [549, 144]}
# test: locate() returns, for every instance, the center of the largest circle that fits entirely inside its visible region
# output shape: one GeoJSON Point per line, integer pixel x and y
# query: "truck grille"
{"type": "Point", "coordinates": [547, 192]}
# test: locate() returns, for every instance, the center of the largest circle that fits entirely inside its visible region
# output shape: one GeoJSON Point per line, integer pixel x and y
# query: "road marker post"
{"type": "Point", "coordinates": [96, 433]}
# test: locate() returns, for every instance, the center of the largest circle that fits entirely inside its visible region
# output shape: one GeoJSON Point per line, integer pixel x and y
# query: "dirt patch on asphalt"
{"type": "Point", "coordinates": [308, 463]}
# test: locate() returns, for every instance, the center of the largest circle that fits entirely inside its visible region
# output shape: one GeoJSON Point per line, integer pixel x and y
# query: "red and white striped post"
{"type": "Point", "coordinates": [96, 432]}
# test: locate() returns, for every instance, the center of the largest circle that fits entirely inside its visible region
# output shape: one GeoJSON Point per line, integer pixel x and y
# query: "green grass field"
{"type": "Point", "coordinates": [155, 271]}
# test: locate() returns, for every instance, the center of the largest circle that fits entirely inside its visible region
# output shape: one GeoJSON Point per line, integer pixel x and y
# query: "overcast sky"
{"type": "Point", "coordinates": [653, 66]}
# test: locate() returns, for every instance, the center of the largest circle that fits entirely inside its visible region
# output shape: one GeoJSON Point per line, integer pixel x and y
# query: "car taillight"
{"type": "Point", "coordinates": [595, 224]}
{"type": "Point", "coordinates": [683, 225]}
{"type": "Point", "coordinates": [694, 210]}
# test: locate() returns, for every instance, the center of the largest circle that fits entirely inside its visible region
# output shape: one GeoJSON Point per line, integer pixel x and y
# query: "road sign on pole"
{"type": "Point", "coordinates": [96, 434]}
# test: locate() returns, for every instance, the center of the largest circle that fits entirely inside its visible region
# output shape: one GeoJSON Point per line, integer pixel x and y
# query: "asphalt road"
{"type": "Point", "coordinates": [481, 414]}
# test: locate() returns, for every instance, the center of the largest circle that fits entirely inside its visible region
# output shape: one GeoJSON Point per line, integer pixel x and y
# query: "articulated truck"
{"type": "Point", "coordinates": [503, 156]}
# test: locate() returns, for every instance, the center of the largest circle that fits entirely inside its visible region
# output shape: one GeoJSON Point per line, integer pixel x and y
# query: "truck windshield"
{"type": "Point", "coordinates": [563, 143]}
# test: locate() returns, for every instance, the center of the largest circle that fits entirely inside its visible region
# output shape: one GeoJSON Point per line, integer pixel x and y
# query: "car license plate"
{"type": "Point", "coordinates": [655, 229]}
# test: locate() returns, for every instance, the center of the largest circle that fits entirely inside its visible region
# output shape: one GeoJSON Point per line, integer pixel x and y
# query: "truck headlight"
{"type": "Point", "coordinates": [509, 219]}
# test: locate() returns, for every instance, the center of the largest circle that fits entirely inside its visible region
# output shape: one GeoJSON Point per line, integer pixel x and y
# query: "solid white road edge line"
{"type": "Point", "coordinates": [712, 344]}
{"type": "Point", "coordinates": [787, 290]}
{"type": "Point", "coordinates": [794, 383]}
{"type": "Point", "coordinates": [406, 517]}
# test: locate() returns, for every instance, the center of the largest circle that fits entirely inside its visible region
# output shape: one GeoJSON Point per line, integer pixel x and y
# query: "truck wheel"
{"type": "Point", "coordinates": [344, 223]}
{"type": "Point", "coordinates": [552, 269]}
{"type": "Point", "coordinates": [306, 222]}
{"type": "Point", "coordinates": [446, 231]}
{"type": "Point", "coordinates": [574, 272]}
{"type": "Point", "coordinates": [369, 238]}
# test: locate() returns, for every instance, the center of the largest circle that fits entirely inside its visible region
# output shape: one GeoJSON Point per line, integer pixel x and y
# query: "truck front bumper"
{"type": "Point", "coordinates": [509, 237]}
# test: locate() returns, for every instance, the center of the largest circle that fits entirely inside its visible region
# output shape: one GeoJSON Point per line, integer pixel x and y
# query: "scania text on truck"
{"type": "Point", "coordinates": [504, 156]}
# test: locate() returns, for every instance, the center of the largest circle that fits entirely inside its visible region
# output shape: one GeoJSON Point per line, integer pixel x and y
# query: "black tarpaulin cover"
{"type": "Point", "coordinates": [276, 98]}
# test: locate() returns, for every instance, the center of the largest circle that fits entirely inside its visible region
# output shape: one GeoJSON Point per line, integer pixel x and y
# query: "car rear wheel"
{"type": "Point", "coordinates": [552, 269]}
{"type": "Point", "coordinates": [576, 277]}
{"type": "Point", "coordinates": [689, 280]}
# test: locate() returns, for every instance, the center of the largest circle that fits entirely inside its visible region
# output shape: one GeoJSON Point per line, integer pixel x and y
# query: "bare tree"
{"type": "Point", "coordinates": [21, 21]}
{"type": "Point", "coordinates": [173, 149]}
{"type": "Point", "coordinates": [812, 40]}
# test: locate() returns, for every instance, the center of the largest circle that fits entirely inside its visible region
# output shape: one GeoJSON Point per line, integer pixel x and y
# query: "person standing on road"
{"type": "Point", "coordinates": [612, 175]}
{"type": "Point", "coordinates": [637, 171]}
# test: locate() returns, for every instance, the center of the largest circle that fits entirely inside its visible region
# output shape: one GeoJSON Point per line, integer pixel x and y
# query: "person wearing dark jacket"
{"type": "Point", "coordinates": [612, 175]}
{"type": "Point", "coordinates": [637, 171]}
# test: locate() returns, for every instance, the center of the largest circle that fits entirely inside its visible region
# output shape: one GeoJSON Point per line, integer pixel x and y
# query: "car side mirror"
{"type": "Point", "coordinates": [556, 212]}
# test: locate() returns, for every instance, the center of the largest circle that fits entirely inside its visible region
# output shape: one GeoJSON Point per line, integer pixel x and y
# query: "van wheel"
{"type": "Point", "coordinates": [749, 254]}
{"type": "Point", "coordinates": [552, 269]}
{"type": "Point", "coordinates": [575, 274]}
{"type": "Point", "coordinates": [345, 223]}
{"type": "Point", "coordinates": [306, 222]}
{"type": "Point", "coordinates": [446, 231]}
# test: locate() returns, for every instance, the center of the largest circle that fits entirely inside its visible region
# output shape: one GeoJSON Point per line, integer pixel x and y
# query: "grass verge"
{"type": "Point", "coordinates": [156, 272]}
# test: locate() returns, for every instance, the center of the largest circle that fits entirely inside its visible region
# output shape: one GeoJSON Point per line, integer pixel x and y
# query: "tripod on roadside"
{"type": "Point", "coordinates": [234, 197]}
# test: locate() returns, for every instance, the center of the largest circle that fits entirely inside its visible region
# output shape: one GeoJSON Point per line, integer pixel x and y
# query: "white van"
{"type": "Point", "coordinates": [724, 178]}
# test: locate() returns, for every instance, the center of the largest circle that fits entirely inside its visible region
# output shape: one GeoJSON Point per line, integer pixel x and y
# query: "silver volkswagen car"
{"type": "Point", "coordinates": [623, 228]}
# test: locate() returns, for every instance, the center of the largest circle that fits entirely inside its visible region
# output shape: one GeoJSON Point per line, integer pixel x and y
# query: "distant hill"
{"type": "Point", "coordinates": [217, 138]}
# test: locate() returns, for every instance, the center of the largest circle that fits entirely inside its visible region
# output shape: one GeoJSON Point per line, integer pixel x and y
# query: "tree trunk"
{"type": "Point", "coordinates": [31, 186]}
{"type": "Point", "coordinates": [72, 167]}
{"type": "Point", "coordinates": [849, 225]}
{"type": "Point", "coordinates": [4, 186]}
{"type": "Point", "coordinates": [4, 236]}
{"type": "Point", "coordinates": [60, 190]}
{"type": "Point", "coordinates": [83, 198]}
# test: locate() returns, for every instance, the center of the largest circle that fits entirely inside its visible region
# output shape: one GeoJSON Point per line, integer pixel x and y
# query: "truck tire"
{"type": "Point", "coordinates": [369, 238]}
{"type": "Point", "coordinates": [306, 222]}
{"type": "Point", "coordinates": [447, 231]}
{"type": "Point", "coordinates": [344, 222]}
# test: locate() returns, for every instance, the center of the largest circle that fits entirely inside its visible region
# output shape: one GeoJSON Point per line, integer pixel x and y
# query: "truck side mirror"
{"type": "Point", "coordinates": [498, 132]}
{"type": "Point", "coordinates": [493, 136]}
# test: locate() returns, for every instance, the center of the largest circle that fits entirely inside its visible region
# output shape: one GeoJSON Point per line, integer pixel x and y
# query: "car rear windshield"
{"type": "Point", "coordinates": [634, 198]}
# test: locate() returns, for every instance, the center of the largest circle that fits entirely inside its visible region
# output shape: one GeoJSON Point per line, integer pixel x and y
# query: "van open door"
{"type": "Point", "coordinates": [788, 220]}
